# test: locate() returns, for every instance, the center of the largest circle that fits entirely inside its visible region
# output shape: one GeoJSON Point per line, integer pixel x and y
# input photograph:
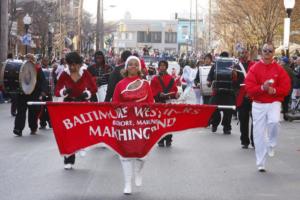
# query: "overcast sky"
{"type": "Point", "coordinates": [145, 9]}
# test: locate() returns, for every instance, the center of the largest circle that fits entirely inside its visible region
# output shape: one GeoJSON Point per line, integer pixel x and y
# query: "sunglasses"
{"type": "Point", "coordinates": [268, 50]}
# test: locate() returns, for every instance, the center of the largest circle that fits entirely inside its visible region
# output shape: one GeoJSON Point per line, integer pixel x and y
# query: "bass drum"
{"type": "Point", "coordinates": [18, 77]}
{"type": "Point", "coordinates": [203, 74]}
{"type": "Point", "coordinates": [49, 80]}
{"type": "Point", "coordinates": [223, 74]}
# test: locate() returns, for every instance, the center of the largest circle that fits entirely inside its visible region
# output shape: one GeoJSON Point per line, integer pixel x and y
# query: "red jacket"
{"type": "Point", "coordinates": [242, 91]}
{"type": "Point", "coordinates": [85, 82]}
{"type": "Point", "coordinates": [157, 87]}
{"type": "Point", "coordinates": [261, 72]}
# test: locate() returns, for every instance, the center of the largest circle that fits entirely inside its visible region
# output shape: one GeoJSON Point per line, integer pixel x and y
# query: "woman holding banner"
{"type": "Point", "coordinates": [132, 89]}
{"type": "Point", "coordinates": [74, 84]}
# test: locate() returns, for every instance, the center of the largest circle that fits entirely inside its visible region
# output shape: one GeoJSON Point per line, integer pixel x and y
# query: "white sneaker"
{"type": "Point", "coordinates": [261, 169]}
{"type": "Point", "coordinates": [68, 166]}
{"type": "Point", "coordinates": [271, 151]}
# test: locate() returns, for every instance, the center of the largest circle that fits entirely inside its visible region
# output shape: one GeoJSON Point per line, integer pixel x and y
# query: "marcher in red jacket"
{"type": "Point", "coordinates": [75, 84]}
{"type": "Point", "coordinates": [132, 89]}
{"type": "Point", "coordinates": [267, 84]}
{"type": "Point", "coordinates": [164, 88]}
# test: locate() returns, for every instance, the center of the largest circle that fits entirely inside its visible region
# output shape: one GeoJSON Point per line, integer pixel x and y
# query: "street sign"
{"type": "Point", "coordinates": [26, 39]}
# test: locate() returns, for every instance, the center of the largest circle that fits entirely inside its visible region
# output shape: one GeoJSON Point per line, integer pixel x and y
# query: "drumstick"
{"type": "Point", "coordinates": [235, 69]}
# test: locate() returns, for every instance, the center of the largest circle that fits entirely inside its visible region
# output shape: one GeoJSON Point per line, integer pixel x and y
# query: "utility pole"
{"type": "Point", "coordinates": [209, 27]}
{"type": "Point", "coordinates": [79, 24]}
{"type": "Point", "coordinates": [196, 28]}
{"type": "Point", "coordinates": [99, 31]}
{"type": "Point", "coordinates": [3, 30]}
{"type": "Point", "coordinates": [61, 42]}
{"type": "Point", "coordinates": [190, 36]}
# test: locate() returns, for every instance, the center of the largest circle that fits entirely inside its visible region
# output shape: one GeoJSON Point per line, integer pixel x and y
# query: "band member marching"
{"type": "Point", "coordinates": [267, 83]}
{"type": "Point", "coordinates": [100, 72]}
{"type": "Point", "coordinates": [222, 96]}
{"type": "Point", "coordinates": [164, 88]}
{"type": "Point", "coordinates": [132, 89]}
{"type": "Point", "coordinates": [44, 115]}
{"type": "Point", "coordinates": [243, 103]}
{"type": "Point", "coordinates": [22, 99]}
{"type": "Point", "coordinates": [75, 84]}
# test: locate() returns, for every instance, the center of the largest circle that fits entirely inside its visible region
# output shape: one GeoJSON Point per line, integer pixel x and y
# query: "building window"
{"type": "Point", "coordinates": [148, 37]}
{"type": "Point", "coordinates": [123, 36]}
{"type": "Point", "coordinates": [155, 37]}
{"type": "Point", "coordinates": [170, 37]}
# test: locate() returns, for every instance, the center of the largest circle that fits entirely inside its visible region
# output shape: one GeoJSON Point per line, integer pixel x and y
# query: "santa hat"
{"type": "Point", "coordinates": [133, 58]}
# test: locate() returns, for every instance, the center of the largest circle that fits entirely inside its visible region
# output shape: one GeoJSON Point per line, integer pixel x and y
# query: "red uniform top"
{"type": "Point", "coordinates": [85, 82]}
{"type": "Point", "coordinates": [143, 67]}
{"type": "Point", "coordinates": [242, 91]}
{"type": "Point", "coordinates": [158, 88]}
{"type": "Point", "coordinates": [261, 72]}
{"type": "Point", "coordinates": [133, 89]}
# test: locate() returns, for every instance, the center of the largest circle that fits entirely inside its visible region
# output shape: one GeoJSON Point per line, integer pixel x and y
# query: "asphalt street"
{"type": "Point", "coordinates": [199, 165]}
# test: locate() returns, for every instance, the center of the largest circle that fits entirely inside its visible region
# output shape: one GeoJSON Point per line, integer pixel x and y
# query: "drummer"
{"type": "Point", "coordinates": [221, 98]}
{"type": "Point", "coordinates": [164, 88]}
{"type": "Point", "coordinates": [44, 115]}
{"type": "Point", "coordinates": [22, 100]}
{"type": "Point", "coordinates": [100, 72]}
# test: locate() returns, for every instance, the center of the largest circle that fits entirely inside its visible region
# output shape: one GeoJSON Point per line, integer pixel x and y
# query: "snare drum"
{"type": "Point", "coordinates": [203, 74]}
{"type": "Point", "coordinates": [18, 77]}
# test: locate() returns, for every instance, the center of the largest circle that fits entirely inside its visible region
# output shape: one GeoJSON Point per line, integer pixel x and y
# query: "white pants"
{"type": "Point", "coordinates": [199, 98]}
{"type": "Point", "coordinates": [266, 118]}
{"type": "Point", "coordinates": [101, 93]}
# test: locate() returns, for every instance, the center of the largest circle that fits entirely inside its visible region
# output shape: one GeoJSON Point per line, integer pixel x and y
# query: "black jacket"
{"type": "Point", "coordinates": [114, 79]}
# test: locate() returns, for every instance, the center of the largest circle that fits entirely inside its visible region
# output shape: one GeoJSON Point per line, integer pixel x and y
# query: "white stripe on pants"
{"type": "Point", "coordinates": [266, 118]}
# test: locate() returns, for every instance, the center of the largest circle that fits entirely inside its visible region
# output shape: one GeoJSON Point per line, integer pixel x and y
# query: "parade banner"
{"type": "Point", "coordinates": [129, 129]}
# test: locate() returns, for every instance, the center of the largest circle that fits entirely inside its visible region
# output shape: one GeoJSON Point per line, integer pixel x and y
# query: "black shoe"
{"type": "Point", "coordinates": [42, 127]}
{"type": "Point", "coordinates": [285, 117]}
{"type": "Point", "coordinates": [161, 144]}
{"type": "Point", "coordinates": [17, 133]}
{"type": "Point", "coordinates": [168, 144]}
{"type": "Point", "coordinates": [244, 146]}
{"type": "Point", "coordinates": [214, 129]}
{"type": "Point", "coordinates": [33, 132]}
{"type": "Point", "coordinates": [228, 132]}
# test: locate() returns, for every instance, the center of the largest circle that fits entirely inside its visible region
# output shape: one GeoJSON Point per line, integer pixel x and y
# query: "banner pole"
{"type": "Point", "coordinates": [36, 103]}
{"type": "Point", "coordinates": [39, 103]}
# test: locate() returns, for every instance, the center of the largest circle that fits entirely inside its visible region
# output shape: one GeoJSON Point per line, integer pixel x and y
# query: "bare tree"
{"type": "Point", "coordinates": [251, 22]}
{"type": "Point", "coordinates": [42, 13]}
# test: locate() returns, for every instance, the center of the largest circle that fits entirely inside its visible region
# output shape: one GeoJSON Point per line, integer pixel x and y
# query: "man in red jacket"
{"type": "Point", "coordinates": [267, 84]}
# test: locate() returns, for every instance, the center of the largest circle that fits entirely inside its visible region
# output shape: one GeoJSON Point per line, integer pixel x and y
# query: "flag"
{"type": "Point", "coordinates": [129, 129]}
